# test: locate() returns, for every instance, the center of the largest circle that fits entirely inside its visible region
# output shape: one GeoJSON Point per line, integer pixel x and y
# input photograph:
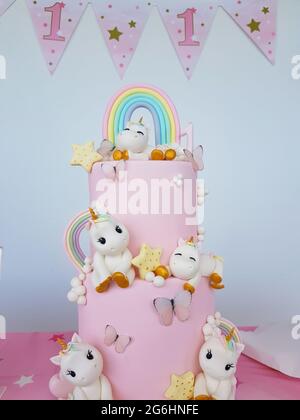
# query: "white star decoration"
{"type": "Point", "coordinates": [24, 380]}
{"type": "Point", "coordinates": [2, 391]}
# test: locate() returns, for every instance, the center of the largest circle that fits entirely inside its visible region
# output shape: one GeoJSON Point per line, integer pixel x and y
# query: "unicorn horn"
{"type": "Point", "coordinates": [190, 241]}
{"type": "Point", "coordinates": [229, 337]}
{"type": "Point", "coordinates": [93, 215]}
{"type": "Point", "coordinates": [62, 343]}
{"type": "Point", "coordinates": [141, 120]}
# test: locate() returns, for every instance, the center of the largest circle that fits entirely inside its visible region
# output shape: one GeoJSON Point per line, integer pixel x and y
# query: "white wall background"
{"type": "Point", "coordinates": [246, 114]}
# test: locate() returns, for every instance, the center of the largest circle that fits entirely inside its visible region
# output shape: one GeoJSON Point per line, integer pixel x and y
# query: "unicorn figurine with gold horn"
{"type": "Point", "coordinates": [81, 373]}
{"type": "Point", "coordinates": [218, 361]}
{"type": "Point", "coordinates": [132, 142]}
{"type": "Point", "coordinates": [112, 261]}
{"type": "Point", "coordinates": [189, 265]}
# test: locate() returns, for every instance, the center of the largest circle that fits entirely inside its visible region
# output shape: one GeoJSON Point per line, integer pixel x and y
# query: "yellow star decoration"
{"type": "Point", "coordinates": [266, 10]}
{"type": "Point", "coordinates": [85, 156]}
{"type": "Point", "coordinates": [254, 26]}
{"type": "Point", "coordinates": [182, 387]}
{"type": "Point", "coordinates": [148, 260]}
{"type": "Point", "coordinates": [115, 34]}
{"type": "Point", "coordinates": [132, 24]}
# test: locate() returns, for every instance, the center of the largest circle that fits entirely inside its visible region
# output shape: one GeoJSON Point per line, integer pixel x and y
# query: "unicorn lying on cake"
{"type": "Point", "coordinates": [189, 265]}
{"type": "Point", "coordinates": [81, 377]}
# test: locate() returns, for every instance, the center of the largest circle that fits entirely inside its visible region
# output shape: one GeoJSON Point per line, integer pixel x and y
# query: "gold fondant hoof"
{"type": "Point", "coordinates": [104, 286]}
{"type": "Point", "coordinates": [121, 280]}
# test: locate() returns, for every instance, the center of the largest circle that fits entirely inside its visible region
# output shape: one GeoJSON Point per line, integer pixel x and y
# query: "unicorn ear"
{"type": "Point", "coordinates": [181, 242]}
{"type": "Point", "coordinates": [56, 360]}
{"type": "Point", "coordinates": [239, 348]}
{"type": "Point", "coordinates": [76, 339]}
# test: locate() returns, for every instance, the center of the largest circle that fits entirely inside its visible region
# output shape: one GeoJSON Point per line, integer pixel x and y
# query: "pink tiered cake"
{"type": "Point", "coordinates": [150, 209]}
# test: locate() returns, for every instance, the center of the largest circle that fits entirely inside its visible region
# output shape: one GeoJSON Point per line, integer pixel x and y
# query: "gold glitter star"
{"type": "Point", "coordinates": [182, 387]}
{"type": "Point", "coordinates": [266, 10]}
{"type": "Point", "coordinates": [115, 34]}
{"type": "Point", "coordinates": [148, 260]}
{"type": "Point", "coordinates": [132, 24]}
{"type": "Point", "coordinates": [254, 26]}
{"type": "Point", "coordinates": [85, 156]}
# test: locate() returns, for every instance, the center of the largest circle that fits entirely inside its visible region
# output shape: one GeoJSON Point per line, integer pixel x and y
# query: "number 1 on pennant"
{"type": "Point", "coordinates": [189, 28]}
{"type": "Point", "coordinates": [55, 10]}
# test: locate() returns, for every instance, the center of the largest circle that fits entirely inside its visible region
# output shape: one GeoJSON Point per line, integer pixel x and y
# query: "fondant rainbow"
{"type": "Point", "coordinates": [227, 327]}
{"type": "Point", "coordinates": [72, 239]}
{"type": "Point", "coordinates": [126, 102]}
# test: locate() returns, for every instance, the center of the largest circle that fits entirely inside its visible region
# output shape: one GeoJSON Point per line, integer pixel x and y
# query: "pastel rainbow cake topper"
{"type": "Point", "coordinates": [230, 330]}
{"type": "Point", "coordinates": [127, 101]}
{"type": "Point", "coordinates": [72, 239]}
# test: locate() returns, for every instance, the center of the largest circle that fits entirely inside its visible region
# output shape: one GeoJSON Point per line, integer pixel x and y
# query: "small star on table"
{"type": "Point", "coordinates": [254, 26]}
{"type": "Point", "coordinates": [24, 380]}
{"type": "Point", "coordinates": [115, 34]}
{"type": "Point", "coordinates": [85, 156]}
{"type": "Point", "coordinates": [132, 24]}
{"type": "Point", "coordinates": [181, 387]}
{"type": "Point", "coordinates": [266, 10]}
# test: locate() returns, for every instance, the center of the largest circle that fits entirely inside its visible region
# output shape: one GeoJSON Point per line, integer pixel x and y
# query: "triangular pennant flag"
{"type": "Point", "coordinates": [55, 23]}
{"type": "Point", "coordinates": [122, 24]}
{"type": "Point", "coordinates": [4, 5]}
{"type": "Point", "coordinates": [258, 18]}
{"type": "Point", "coordinates": [188, 24]}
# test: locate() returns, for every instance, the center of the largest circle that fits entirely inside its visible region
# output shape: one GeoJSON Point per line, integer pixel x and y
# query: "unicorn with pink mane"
{"type": "Point", "coordinates": [218, 361]}
{"type": "Point", "coordinates": [81, 373]}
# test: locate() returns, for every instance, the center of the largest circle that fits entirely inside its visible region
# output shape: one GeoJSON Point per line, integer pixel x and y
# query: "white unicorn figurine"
{"type": "Point", "coordinates": [132, 142]}
{"type": "Point", "coordinates": [81, 365]}
{"type": "Point", "coordinates": [112, 261]}
{"type": "Point", "coordinates": [189, 265]}
{"type": "Point", "coordinates": [218, 361]}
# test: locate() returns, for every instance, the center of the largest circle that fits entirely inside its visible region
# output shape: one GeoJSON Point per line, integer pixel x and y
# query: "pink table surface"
{"type": "Point", "coordinates": [26, 355]}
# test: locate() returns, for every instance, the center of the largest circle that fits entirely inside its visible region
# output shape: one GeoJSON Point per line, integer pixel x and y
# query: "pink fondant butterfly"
{"type": "Point", "coordinates": [179, 306]}
{"type": "Point", "coordinates": [121, 342]}
{"type": "Point", "coordinates": [196, 158]}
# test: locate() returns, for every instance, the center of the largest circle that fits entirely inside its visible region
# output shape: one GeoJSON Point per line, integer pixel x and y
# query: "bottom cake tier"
{"type": "Point", "coordinates": [144, 370]}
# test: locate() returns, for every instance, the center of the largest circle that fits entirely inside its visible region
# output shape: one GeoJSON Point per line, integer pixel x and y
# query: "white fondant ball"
{"type": "Point", "coordinates": [75, 282]}
{"type": "Point", "coordinates": [72, 297]}
{"type": "Point", "coordinates": [80, 291]}
{"type": "Point", "coordinates": [159, 281]}
{"type": "Point", "coordinates": [150, 277]}
{"type": "Point", "coordinates": [82, 277]}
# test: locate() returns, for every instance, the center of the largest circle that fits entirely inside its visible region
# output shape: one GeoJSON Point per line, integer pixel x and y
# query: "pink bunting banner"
{"type": "Point", "coordinates": [122, 24]}
{"type": "Point", "coordinates": [4, 5]}
{"type": "Point", "coordinates": [258, 18]}
{"type": "Point", "coordinates": [188, 24]}
{"type": "Point", "coordinates": [55, 23]}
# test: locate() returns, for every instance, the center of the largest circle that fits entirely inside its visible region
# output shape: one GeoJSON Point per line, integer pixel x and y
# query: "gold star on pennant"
{"type": "Point", "coordinates": [254, 26]}
{"type": "Point", "coordinates": [266, 10]}
{"type": "Point", "coordinates": [132, 24]}
{"type": "Point", "coordinates": [148, 260]}
{"type": "Point", "coordinates": [85, 156]}
{"type": "Point", "coordinates": [182, 387]}
{"type": "Point", "coordinates": [115, 34]}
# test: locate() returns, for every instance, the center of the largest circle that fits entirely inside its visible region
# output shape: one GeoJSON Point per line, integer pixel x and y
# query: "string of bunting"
{"type": "Point", "coordinates": [188, 23]}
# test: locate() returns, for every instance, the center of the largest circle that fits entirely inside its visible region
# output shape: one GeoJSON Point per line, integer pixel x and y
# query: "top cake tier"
{"type": "Point", "coordinates": [155, 200]}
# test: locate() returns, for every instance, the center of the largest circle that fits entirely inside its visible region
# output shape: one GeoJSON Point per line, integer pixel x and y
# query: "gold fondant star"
{"type": "Point", "coordinates": [182, 387]}
{"type": "Point", "coordinates": [266, 10]}
{"type": "Point", "coordinates": [115, 34]}
{"type": "Point", "coordinates": [148, 260]}
{"type": "Point", "coordinates": [85, 156]}
{"type": "Point", "coordinates": [254, 26]}
{"type": "Point", "coordinates": [132, 24]}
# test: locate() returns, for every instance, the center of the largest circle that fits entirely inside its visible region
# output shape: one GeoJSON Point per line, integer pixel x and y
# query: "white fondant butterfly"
{"type": "Point", "coordinates": [112, 170]}
{"type": "Point", "coordinates": [196, 158]}
{"type": "Point", "coordinates": [179, 306]}
{"type": "Point", "coordinates": [121, 342]}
